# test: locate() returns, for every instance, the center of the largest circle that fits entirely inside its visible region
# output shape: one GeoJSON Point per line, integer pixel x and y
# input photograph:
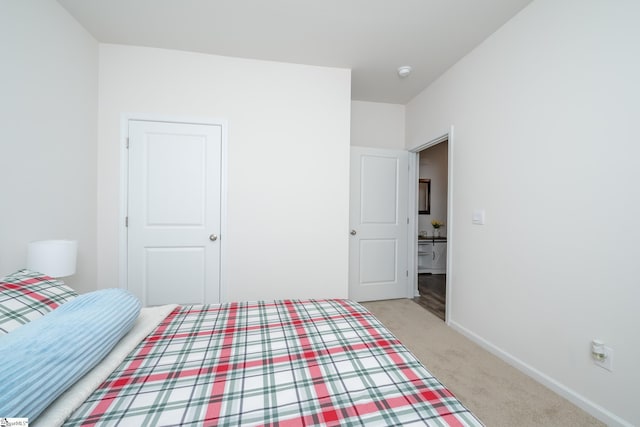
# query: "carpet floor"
{"type": "Point", "coordinates": [497, 393]}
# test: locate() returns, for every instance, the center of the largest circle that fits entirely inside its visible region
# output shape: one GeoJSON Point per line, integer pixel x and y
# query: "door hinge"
{"type": "Point", "coordinates": [126, 221]}
{"type": "Point", "coordinates": [407, 271]}
{"type": "Point", "coordinates": [127, 143]}
{"type": "Point", "coordinates": [407, 220]}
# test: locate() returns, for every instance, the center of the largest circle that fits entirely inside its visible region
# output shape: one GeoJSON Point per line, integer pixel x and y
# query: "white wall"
{"type": "Point", "coordinates": [377, 125]}
{"type": "Point", "coordinates": [546, 140]}
{"type": "Point", "coordinates": [288, 162]}
{"type": "Point", "coordinates": [433, 166]}
{"type": "Point", "coordinates": [48, 130]}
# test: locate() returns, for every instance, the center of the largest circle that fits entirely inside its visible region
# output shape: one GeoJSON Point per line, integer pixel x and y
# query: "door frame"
{"type": "Point", "coordinates": [124, 188]}
{"type": "Point", "coordinates": [414, 169]}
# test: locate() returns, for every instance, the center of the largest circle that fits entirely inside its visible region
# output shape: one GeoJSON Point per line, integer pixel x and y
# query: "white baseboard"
{"type": "Point", "coordinates": [580, 401]}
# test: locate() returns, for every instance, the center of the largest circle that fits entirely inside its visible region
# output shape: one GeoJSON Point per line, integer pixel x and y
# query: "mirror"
{"type": "Point", "coordinates": [424, 196]}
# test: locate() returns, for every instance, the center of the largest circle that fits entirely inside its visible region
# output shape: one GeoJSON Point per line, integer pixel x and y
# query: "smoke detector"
{"type": "Point", "coordinates": [404, 71]}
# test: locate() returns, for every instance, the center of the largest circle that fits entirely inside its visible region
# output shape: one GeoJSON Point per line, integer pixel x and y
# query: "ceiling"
{"type": "Point", "coordinates": [371, 37]}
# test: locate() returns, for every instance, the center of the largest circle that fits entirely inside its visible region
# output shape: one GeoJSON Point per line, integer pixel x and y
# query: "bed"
{"type": "Point", "coordinates": [269, 363]}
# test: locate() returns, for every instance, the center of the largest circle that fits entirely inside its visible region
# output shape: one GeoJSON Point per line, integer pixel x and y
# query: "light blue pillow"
{"type": "Point", "coordinates": [41, 359]}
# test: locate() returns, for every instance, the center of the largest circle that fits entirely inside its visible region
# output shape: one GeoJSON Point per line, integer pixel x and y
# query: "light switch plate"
{"type": "Point", "coordinates": [477, 217]}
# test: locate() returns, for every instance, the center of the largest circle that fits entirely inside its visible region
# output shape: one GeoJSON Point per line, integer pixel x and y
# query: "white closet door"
{"type": "Point", "coordinates": [378, 216]}
{"type": "Point", "coordinates": [174, 212]}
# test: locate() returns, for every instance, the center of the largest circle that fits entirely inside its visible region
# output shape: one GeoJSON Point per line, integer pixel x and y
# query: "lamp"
{"type": "Point", "coordinates": [55, 258]}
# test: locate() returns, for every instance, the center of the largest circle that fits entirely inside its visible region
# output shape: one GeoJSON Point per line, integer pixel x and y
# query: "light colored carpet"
{"type": "Point", "coordinates": [497, 393]}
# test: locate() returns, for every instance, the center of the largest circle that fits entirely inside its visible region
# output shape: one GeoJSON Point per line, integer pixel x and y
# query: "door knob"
{"type": "Point", "coordinates": [353, 232]}
{"type": "Point", "coordinates": [213, 237]}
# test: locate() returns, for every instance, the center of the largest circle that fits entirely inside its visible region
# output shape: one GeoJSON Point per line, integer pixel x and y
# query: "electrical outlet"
{"type": "Point", "coordinates": [607, 362]}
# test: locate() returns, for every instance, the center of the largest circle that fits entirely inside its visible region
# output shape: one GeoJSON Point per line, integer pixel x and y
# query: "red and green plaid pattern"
{"type": "Point", "coordinates": [284, 363]}
{"type": "Point", "coordinates": [26, 295]}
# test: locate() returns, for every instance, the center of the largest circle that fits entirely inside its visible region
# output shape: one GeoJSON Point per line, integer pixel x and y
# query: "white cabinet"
{"type": "Point", "coordinates": [432, 256]}
{"type": "Point", "coordinates": [440, 257]}
{"type": "Point", "coordinates": [425, 256]}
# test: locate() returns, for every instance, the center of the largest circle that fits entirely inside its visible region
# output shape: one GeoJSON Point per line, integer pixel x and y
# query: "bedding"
{"type": "Point", "coordinates": [282, 363]}
{"type": "Point", "coordinates": [74, 396]}
{"type": "Point", "coordinates": [27, 295]}
{"type": "Point", "coordinates": [278, 363]}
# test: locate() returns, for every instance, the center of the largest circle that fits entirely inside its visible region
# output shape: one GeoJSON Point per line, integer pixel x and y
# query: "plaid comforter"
{"type": "Point", "coordinates": [284, 363]}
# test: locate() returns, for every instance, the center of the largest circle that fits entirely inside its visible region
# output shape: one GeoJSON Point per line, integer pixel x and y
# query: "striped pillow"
{"type": "Point", "coordinates": [26, 295]}
{"type": "Point", "coordinates": [45, 357]}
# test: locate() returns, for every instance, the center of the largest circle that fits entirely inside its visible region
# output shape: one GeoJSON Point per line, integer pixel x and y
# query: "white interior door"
{"type": "Point", "coordinates": [173, 249]}
{"type": "Point", "coordinates": [378, 217]}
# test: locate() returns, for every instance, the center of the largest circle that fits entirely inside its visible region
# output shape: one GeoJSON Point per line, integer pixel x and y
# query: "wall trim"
{"type": "Point", "coordinates": [580, 401]}
{"type": "Point", "coordinates": [124, 178]}
{"type": "Point", "coordinates": [412, 227]}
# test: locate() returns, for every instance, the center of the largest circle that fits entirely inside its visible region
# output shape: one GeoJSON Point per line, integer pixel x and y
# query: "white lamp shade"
{"type": "Point", "coordinates": [55, 258]}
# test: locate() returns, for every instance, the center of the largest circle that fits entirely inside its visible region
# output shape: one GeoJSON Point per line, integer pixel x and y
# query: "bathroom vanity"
{"type": "Point", "coordinates": [432, 255]}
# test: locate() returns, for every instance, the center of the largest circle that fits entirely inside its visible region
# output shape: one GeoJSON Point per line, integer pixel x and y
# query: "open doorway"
{"type": "Point", "coordinates": [432, 225]}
